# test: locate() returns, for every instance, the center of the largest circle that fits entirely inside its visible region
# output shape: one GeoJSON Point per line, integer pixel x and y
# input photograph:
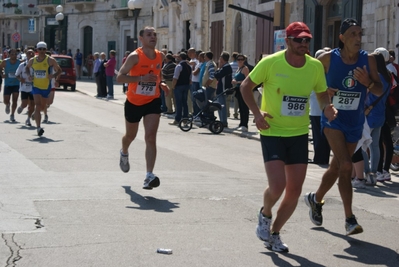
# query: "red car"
{"type": "Point", "coordinates": [68, 75]}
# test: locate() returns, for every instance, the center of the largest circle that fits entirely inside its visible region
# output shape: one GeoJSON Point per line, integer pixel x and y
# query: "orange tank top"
{"type": "Point", "coordinates": [142, 93]}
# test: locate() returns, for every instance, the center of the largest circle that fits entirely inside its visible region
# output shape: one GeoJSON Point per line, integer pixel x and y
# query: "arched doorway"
{"type": "Point", "coordinates": [238, 34]}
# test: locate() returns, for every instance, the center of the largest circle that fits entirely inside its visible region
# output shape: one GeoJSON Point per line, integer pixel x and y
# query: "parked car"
{"type": "Point", "coordinates": [68, 75]}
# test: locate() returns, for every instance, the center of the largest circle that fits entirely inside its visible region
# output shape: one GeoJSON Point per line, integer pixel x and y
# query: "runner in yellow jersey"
{"type": "Point", "coordinates": [288, 78]}
{"type": "Point", "coordinates": [41, 79]}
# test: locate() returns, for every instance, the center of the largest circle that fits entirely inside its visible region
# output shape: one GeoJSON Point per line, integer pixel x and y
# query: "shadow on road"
{"type": "Point", "coordinates": [279, 261]}
{"type": "Point", "coordinates": [149, 203]}
{"type": "Point", "coordinates": [365, 252]}
{"type": "Point", "coordinates": [44, 140]}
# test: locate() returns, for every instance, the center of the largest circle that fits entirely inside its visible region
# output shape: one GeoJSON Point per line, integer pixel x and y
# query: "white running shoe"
{"type": "Point", "coordinates": [387, 175]}
{"type": "Point", "coordinates": [380, 177]}
{"type": "Point", "coordinates": [12, 119]}
{"type": "Point", "coordinates": [151, 181]}
{"type": "Point", "coordinates": [357, 183]}
{"type": "Point", "coordinates": [8, 109]}
{"type": "Point", "coordinates": [263, 227]}
{"type": "Point", "coordinates": [40, 131]}
{"type": "Point", "coordinates": [19, 110]}
{"type": "Point", "coordinates": [45, 119]}
{"type": "Point", "coordinates": [124, 162]}
{"type": "Point", "coordinates": [243, 129]}
{"type": "Point", "coordinates": [276, 244]}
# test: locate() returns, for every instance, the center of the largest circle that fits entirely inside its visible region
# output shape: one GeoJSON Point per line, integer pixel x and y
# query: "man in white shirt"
{"type": "Point", "coordinates": [192, 106]}
{"type": "Point", "coordinates": [25, 87]}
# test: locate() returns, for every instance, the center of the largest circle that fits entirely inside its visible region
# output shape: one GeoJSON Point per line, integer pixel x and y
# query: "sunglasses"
{"type": "Point", "coordinates": [41, 49]}
{"type": "Point", "coordinates": [300, 40]}
{"type": "Point", "coordinates": [240, 59]}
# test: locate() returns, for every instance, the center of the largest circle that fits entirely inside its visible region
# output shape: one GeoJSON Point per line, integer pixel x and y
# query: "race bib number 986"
{"type": "Point", "coordinates": [293, 105]}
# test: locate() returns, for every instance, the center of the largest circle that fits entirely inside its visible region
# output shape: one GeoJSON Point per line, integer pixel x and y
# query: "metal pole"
{"type": "Point", "coordinates": [282, 15]}
{"type": "Point", "coordinates": [135, 30]}
{"type": "Point", "coordinates": [136, 13]}
{"type": "Point", "coordinates": [59, 36]}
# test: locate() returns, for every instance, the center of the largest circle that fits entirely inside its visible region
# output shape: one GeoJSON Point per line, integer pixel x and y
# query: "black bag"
{"type": "Point", "coordinates": [390, 116]}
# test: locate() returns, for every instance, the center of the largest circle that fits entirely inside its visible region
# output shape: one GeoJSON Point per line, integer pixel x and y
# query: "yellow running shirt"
{"type": "Point", "coordinates": [286, 92]}
{"type": "Point", "coordinates": [40, 73]}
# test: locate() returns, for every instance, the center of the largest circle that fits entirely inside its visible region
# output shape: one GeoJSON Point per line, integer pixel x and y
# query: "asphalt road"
{"type": "Point", "coordinates": [65, 202]}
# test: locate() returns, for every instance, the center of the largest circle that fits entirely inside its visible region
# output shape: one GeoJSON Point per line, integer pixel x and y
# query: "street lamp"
{"type": "Point", "coordinates": [136, 6]}
{"type": "Point", "coordinates": [59, 17]}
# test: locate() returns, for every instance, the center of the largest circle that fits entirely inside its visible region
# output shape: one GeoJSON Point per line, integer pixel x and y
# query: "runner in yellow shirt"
{"type": "Point", "coordinates": [41, 79]}
{"type": "Point", "coordinates": [288, 78]}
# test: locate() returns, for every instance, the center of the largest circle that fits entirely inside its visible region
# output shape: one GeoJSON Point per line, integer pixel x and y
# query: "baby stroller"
{"type": "Point", "coordinates": [205, 116]}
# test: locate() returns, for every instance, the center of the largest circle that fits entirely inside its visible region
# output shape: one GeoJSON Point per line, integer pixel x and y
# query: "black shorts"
{"type": "Point", "coordinates": [134, 113]}
{"type": "Point", "coordinates": [9, 90]}
{"type": "Point", "coordinates": [26, 95]}
{"type": "Point", "coordinates": [291, 150]}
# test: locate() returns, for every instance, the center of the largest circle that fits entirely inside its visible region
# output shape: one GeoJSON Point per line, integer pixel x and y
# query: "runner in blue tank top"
{"type": "Point", "coordinates": [8, 67]}
{"type": "Point", "coordinates": [350, 72]}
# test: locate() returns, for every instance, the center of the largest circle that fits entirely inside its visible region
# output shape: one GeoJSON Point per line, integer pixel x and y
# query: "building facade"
{"type": "Point", "coordinates": [244, 26]}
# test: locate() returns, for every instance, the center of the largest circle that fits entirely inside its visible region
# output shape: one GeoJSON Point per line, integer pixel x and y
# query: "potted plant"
{"type": "Point", "coordinates": [17, 11]}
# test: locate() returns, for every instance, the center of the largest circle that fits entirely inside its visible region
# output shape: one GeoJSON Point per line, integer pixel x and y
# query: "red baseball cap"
{"type": "Point", "coordinates": [298, 30]}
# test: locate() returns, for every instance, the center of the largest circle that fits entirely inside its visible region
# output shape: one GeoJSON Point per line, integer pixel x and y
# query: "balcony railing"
{"type": "Point", "coordinates": [80, 1]}
{"type": "Point", "coordinates": [21, 10]}
{"type": "Point", "coordinates": [50, 2]}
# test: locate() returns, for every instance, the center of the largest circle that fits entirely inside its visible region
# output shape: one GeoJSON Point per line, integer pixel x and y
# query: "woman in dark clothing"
{"type": "Point", "coordinates": [240, 75]}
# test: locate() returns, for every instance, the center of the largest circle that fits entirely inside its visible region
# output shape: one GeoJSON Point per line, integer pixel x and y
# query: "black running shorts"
{"type": "Point", "coordinates": [291, 150]}
{"type": "Point", "coordinates": [26, 95]}
{"type": "Point", "coordinates": [134, 113]}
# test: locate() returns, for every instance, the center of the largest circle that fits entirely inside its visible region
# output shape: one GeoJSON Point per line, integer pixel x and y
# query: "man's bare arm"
{"type": "Point", "coordinates": [123, 77]}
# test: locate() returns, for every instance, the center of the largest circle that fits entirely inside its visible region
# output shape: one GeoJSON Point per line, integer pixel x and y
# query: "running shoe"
{"type": "Point", "coordinates": [45, 119]}
{"type": "Point", "coordinates": [124, 162]}
{"type": "Point", "coordinates": [387, 175]}
{"type": "Point", "coordinates": [8, 109]}
{"type": "Point", "coordinates": [371, 179]}
{"type": "Point", "coordinates": [275, 244]}
{"type": "Point", "coordinates": [40, 131]}
{"type": "Point", "coordinates": [263, 228]}
{"type": "Point", "coordinates": [315, 208]}
{"type": "Point", "coordinates": [358, 183]}
{"type": "Point", "coordinates": [151, 181]}
{"type": "Point", "coordinates": [242, 129]}
{"type": "Point", "coordinates": [12, 119]}
{"type": "Point", "coordinates": [173, 123]}
{"type": "Point", "coordinates": [19, 110]}
{"type": "Point", "coordinates": [352, 227]}
{"type": "Point", "coordinates": [380, 177]}
{"type": "Point", "coordinates": [27, 122]}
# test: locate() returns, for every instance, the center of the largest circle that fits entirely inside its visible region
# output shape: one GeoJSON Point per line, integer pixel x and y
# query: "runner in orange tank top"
{"type": "Point", "coordinates": [144, 91]}
{"type": "Point", "coordinates": [142, 71]}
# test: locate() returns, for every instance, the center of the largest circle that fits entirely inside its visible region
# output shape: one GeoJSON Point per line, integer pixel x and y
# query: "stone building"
{"type": "Point", "coordinates": [216, 25]}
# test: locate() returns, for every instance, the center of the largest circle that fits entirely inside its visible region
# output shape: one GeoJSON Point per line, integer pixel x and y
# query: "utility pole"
{"type": "Point", "coordinates": [282, 15]}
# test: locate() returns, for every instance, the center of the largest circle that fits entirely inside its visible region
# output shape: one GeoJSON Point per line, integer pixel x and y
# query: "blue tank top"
{"type": "Point", "coordinates": [239, 76]}
{"type": "Point", "coordinates": [350, 99]}
{"type": "Point", "coordinates": [10, 70]}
